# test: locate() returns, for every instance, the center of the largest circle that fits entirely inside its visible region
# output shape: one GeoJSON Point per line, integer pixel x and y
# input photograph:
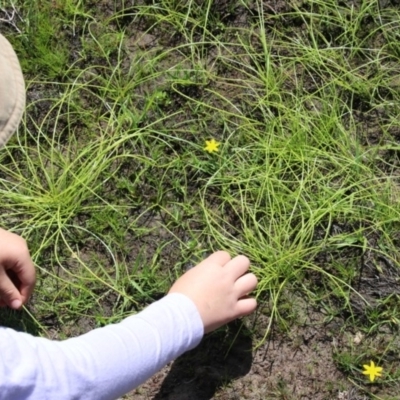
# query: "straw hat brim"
{"type": "Point", "coordinates": [12, 91]}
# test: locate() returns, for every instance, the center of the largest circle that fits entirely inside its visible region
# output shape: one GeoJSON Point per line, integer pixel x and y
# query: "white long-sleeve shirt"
{"type": "Point", "coordinates": [102, 364]}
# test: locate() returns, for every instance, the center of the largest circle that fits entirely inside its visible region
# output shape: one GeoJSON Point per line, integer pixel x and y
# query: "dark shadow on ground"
{"type": "Point", "coordinates": [220, 358]}
{"type": "Point", "coordinates": [18, 320]}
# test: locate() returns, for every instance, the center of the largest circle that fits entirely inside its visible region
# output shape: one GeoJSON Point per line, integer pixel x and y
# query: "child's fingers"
{"type": "Point", "coordinates": [9, 293]}
{"type": "Point", "coordinates": [239, 266]}
{"type": "Point", "coordinates": [219, 257]}
{"type": "Point", "coordinates": [26, 291]}
{"type": "Point", "coordinates": [245, 284]}
{"type": "Point", "coordinates": [26, 278]}
{"type": "Point", "coordinates": [245, 306]}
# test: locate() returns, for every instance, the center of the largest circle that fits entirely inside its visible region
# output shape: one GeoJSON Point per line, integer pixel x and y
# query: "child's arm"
{"type": "Point", "coordinates": [109, 362]}
{"type": "Point", "coordinates": [103, 364]}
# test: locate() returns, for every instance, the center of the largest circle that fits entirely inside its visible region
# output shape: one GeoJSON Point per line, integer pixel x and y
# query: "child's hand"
{"type": "Point", "coordinates": [17, 273]}
{"type": "Point", "coordinates": [219, 286]}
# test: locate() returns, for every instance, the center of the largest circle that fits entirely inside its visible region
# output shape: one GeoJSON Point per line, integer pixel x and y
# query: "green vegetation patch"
{"type": "Point", "coordinates": [110, 182]}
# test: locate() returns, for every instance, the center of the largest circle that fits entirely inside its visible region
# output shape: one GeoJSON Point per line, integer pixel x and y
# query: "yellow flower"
{"type": "Point", "coordinates": [211, 145]}
{"type": "Point", "coordinates": [372, 371]}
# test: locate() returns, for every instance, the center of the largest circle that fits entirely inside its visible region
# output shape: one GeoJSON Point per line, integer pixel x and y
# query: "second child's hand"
{"type": "Point", "coordinates": [17, 272]}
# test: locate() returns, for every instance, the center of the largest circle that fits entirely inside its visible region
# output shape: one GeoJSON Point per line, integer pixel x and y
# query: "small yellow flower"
{"type": "Point", "coordinates": [211, 145]}
{"type": "Point", "coordinates": [372, 371]}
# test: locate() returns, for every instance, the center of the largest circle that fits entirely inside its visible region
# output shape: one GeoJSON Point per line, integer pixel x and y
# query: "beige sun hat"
{"type": "Point", "coordinates": [12, 91]}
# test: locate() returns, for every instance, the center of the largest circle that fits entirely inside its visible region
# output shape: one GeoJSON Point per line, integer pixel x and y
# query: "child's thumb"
{"type": "Point", "coordinates": [8, 292]}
